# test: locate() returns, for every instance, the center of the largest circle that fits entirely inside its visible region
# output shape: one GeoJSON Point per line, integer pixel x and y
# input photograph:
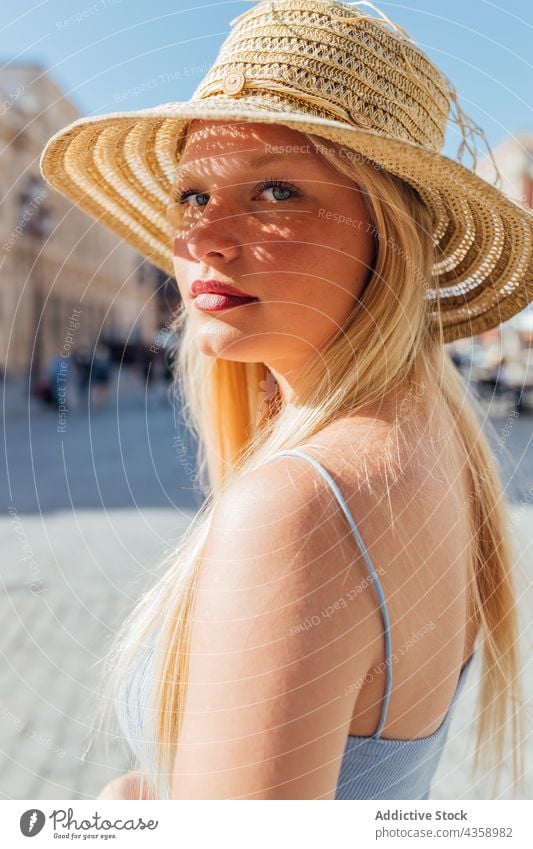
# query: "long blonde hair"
{"type": "Point", "coordinates": [239, 425]}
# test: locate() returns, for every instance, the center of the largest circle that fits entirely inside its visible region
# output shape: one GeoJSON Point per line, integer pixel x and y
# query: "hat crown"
{"type": "Point", "coordinates": [331, 60]}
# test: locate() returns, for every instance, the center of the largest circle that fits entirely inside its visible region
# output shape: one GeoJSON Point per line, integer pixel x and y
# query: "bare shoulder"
{"type": "Point", "coordinates": [281, 640]}
{"type": "Point", "coordinates": [288, 497]}
{"type": "Point", "coordinates": [281, 491]}
{"type": "Point", "coordinates": [284, 519]}
{"type": "Point", "coordinates": [286, 511]}
{"type": "Point", "coordinates": [271, 519]}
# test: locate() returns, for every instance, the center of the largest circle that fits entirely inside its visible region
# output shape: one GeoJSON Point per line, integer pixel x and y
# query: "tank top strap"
{"type": "Point", "coordinates": [374, 577]}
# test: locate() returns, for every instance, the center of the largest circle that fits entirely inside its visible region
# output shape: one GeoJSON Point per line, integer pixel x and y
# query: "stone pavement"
{"type": "Point", "coordinates": [85, 523]}
{"type": "Point", "coordinates": [80, 575]}
{"type": "Point", "coordinates": [87, 514]}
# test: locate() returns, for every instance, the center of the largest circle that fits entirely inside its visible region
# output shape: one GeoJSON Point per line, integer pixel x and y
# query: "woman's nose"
{"type": "Point", "coordinates": [216, 232]}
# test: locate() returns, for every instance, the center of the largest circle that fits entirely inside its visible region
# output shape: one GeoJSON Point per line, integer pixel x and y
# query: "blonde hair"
{"type": "Point", "coordinates": [238, 427]}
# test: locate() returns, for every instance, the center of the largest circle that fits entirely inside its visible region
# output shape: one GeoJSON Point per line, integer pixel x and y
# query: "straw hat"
{"type": "Point", "coordinates": [330, 69]}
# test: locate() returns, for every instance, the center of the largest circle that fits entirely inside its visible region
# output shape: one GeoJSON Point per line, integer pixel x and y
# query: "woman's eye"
{"type": "Point", "coordinates": [280, 189]}
{"type": "Point", "coordinates": [182, 197]}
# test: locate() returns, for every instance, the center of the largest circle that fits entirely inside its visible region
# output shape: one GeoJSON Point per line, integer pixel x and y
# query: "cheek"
{"type": "Point", "coordinates": [341, 253]}
{"type": "Point", "coordinates": [335, 261]}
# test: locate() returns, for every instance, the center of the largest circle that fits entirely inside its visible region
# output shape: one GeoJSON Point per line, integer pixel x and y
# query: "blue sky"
{"type": "Point", "coordinates": [119, 55]}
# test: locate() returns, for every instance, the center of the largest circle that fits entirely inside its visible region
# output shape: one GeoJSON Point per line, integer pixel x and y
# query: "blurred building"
{"type": "Point", "coordinates": [65, 280]}
{"type": "Point", "coordinates": [514, 158]}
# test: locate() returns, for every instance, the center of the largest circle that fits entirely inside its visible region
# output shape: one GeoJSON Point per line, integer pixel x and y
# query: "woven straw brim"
{"type": "Point", "coordinates": [119, 168]}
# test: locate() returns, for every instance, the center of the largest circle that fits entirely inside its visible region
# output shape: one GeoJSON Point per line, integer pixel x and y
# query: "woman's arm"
{"type": "Point", "coordinates": [280, 643]}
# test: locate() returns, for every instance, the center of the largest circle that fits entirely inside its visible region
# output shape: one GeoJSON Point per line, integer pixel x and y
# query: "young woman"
{"type": "Point", "coordinates": [312, 633]}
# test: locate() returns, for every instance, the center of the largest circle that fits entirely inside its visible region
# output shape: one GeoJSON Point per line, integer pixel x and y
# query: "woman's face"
{"type": "Point", "coordinates": [300, 245]}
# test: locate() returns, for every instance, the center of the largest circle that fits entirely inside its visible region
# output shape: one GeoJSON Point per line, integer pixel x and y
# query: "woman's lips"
{"type": "Point", "coordinates": [210, 301]}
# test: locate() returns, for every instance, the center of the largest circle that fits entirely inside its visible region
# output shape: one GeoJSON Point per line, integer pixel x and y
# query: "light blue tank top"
{"type": "Point", "coordinates": [372, 767]}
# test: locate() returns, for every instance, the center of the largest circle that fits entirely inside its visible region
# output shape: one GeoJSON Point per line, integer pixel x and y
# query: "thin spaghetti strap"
{"type": "Point", "coordinates": [375, 580]}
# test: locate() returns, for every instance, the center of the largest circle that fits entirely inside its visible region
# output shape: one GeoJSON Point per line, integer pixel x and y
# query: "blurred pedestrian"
{"type": "Point", "coordinates": [59, 373]}
{"type": "Point", "coordinates": [100, 375]}
{"type": "Point", "coordinates": [513, 370]}
{"type": "Point", "coordinates": [82, 362]}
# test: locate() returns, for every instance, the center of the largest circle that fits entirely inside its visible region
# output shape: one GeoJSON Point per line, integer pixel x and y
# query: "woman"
{"type": "Point", "coordinates": [315, 626]}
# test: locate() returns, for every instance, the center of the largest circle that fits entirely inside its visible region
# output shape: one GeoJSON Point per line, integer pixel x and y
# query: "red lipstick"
{"type": "Point", "coordinates": [212, 295]}
{"type": "Point", "coordinates": [200, 287]}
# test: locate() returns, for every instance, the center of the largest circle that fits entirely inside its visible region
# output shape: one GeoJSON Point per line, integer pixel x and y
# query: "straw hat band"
{"type": "Point", "coordinates": [370, 107]}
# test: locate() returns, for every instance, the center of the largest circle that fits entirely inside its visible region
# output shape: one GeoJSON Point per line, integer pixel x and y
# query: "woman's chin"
{"type": "Point", "coordinates": [229, 344]}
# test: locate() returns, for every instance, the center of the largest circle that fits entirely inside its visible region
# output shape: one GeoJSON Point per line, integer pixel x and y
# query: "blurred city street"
{"type": "Point", "coordinates": [87, 515]}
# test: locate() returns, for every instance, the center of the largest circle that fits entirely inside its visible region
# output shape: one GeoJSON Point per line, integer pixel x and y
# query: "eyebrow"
{"type": "Point", "coordinates": [187, 170]}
